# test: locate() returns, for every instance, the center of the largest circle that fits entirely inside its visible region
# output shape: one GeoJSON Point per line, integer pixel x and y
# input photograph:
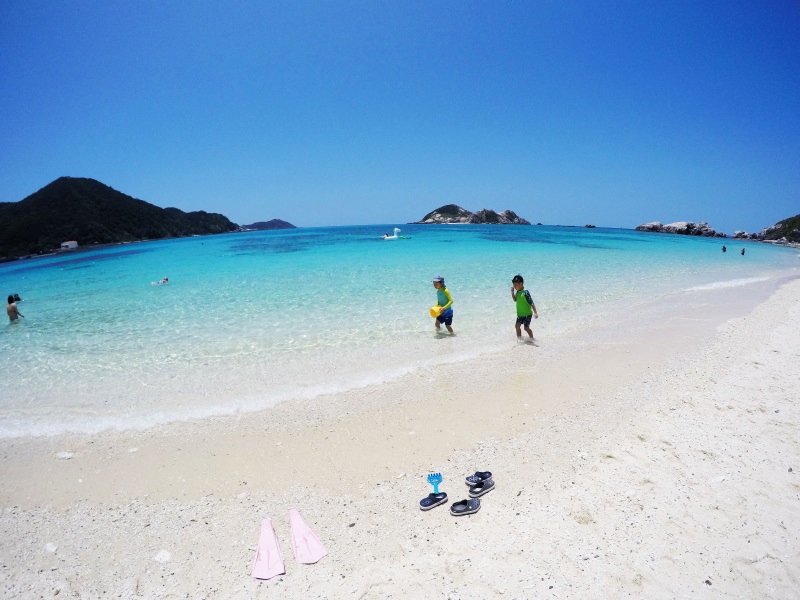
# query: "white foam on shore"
{"type": "Point", "coordinates": [34, 424]}
{"type": "Point", "coordinates": [718, 285]}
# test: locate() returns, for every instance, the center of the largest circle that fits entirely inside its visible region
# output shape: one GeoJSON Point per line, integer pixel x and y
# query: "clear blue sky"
{"type": "Point", "coordinates": [609, 112]}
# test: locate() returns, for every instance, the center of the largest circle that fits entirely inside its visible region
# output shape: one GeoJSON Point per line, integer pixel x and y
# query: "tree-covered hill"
{"type": "Point", "coordinates": [788, 228]}
{"type": "Point", "coordinates": [89, 212]}
{"type": "Point", "coordinates": [269, 225]}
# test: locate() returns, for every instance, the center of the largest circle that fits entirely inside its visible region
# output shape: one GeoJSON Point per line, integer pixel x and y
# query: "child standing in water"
{"type": "Point", "coordinates": [525, 306]}
{"type": "Point", "coordinates": [445, 300]}
{"type": "Point", "coordinates": [12, 311]}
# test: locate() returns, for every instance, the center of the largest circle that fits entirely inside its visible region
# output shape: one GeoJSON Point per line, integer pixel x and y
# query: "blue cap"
{"type": "Point", "coordinates": [438, 278]}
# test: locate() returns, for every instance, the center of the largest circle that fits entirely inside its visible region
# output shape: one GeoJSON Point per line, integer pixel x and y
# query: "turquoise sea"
{"type": "Point", "coordinates": [250, 319]}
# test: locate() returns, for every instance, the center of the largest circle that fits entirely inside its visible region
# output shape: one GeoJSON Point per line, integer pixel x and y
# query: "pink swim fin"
{"type": "Point", "coordinates": [305, 543]}
{"type": "Point", "coordinates": [269, 559]}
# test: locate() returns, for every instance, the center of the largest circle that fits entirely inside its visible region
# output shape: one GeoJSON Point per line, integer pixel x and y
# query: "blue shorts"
{"type": "Point", "coordinates": [446, 317]}
{"type": "Point", "coordinates": [525, 321]}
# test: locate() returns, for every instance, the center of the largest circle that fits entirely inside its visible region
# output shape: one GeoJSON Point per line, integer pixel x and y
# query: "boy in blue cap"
{"type": "Point", "coordinates": [445, 300]}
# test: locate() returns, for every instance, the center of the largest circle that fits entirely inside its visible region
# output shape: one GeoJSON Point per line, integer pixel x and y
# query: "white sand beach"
{"type": "Point", "coordinates": [649, 458]}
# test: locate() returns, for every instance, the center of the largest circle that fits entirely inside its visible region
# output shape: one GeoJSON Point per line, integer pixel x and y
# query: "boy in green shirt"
{"type": "Point", "coordinates": [525, 306]}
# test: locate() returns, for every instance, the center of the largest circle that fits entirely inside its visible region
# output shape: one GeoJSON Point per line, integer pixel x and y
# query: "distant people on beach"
{"type": "Point", "coordinates": [445, 300]}
{"type": "Point", "coordinates": [742, 251]}
{"type": "Point", "coordinates": [724, 249]}
{"type": "Point", "coordinates": [525, 306]}
{"type": "Point", "coordinates": [12, 310]}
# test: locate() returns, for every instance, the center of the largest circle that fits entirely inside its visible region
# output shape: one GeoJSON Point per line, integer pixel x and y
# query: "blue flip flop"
{"type": "Point", "coordinates": [432, 501]}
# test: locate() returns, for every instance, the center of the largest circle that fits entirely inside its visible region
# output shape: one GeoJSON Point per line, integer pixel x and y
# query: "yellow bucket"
{"type": "Point", "coordinates": [435, 310]}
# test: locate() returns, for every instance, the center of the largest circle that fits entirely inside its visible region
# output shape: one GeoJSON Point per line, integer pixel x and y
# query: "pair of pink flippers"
{"type": "Point", "coordinates": [305, 544]}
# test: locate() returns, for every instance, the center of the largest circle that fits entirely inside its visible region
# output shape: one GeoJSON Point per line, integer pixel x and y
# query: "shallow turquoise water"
{"type": "Point", "coordinates": [249, 319]}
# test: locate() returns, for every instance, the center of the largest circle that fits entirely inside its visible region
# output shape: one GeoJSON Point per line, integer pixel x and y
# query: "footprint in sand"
{"type": "Point", "coordinates": [583, 517]}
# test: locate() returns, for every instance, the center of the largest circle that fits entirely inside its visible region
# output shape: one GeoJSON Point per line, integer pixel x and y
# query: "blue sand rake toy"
{"type": "Point", "coordinates": [435, 479]}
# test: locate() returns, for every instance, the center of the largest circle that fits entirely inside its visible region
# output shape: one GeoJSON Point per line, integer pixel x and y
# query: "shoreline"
{"type": "Point", "coordinates": [467, 352]}
{"type": "Point", "coordinates": [552, 374]}
{"type": "Point", "coordinates": [592, 445]}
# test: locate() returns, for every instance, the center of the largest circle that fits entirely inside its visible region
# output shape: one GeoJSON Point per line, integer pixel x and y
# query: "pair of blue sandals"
{"type": "Point", "coordinates": [479, 484]}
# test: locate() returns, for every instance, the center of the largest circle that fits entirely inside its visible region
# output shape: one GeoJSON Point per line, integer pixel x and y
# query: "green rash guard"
{"type": "Point", "coordinates": [444, 298]}
{"type": "Point", "coordinates": [524, 302]}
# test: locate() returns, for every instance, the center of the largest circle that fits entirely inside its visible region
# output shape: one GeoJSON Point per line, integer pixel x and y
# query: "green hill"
{"type": "Point", "coordinates": [788, 228]}
{"type": "Point", "coordinates": [89, 212]}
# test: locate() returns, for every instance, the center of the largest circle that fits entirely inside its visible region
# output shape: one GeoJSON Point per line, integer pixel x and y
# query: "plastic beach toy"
{"type": "Point", "coordinates": [436, 498]}
{"type": "Point", "coordinates": [435, 479]}
{"type": "Point", "coordinates": [435, 311]}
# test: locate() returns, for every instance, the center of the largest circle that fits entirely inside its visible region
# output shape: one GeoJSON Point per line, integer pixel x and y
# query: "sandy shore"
{"type": "Point", "coordinates": [656, 458]}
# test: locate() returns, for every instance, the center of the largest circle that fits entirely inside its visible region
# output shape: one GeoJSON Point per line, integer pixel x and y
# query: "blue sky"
{"type": "Point", "coordinates": [330, 113]}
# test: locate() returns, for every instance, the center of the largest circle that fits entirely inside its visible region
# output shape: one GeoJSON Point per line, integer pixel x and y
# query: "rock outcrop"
{"type": "Point", "coordinates": [452, 213]}
{"type": "Point", "coordinates": [652, 226]}
{"type": "Point", "coordinates": [681, 228]}
{"type": "Point", "coordinates": [786, 232]}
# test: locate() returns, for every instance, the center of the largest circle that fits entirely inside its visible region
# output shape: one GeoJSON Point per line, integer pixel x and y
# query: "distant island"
{"type": "Point", "coordinates": [82, 210]}
{"type": "Point", "coordinates": [268, 225]}
{"type": "Point", "coordinates": [783, 232]}
{"type": "Point", "coordinates": [452, 213]}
